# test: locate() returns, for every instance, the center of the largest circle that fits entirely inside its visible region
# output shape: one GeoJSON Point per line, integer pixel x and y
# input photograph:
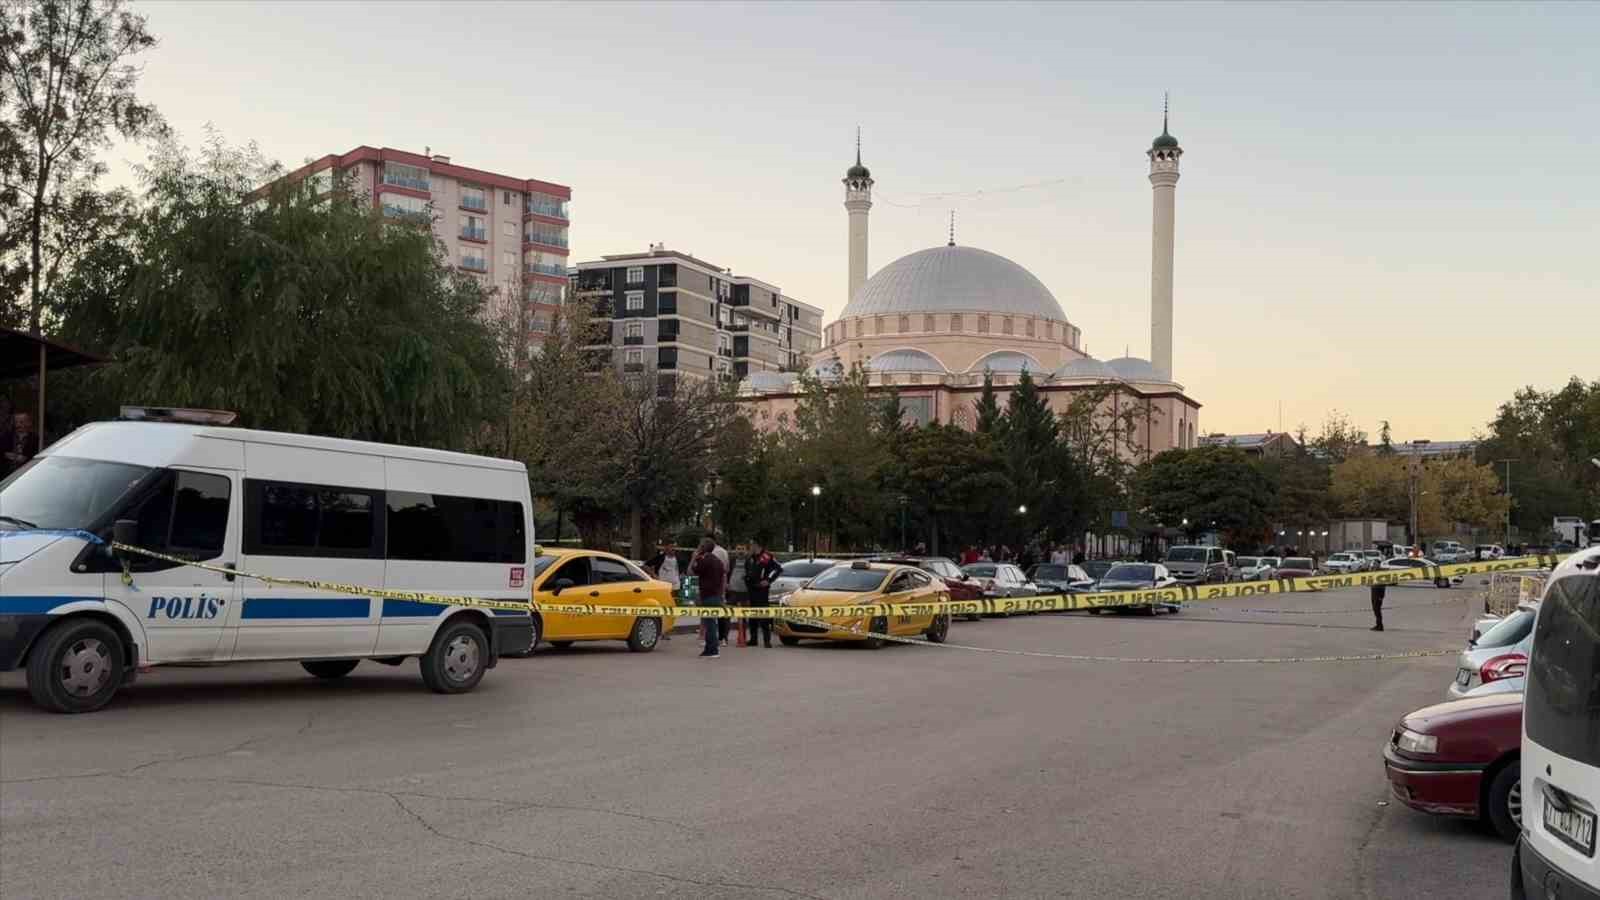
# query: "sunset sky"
{"type": "Point", "coordinates": [1391, 211]}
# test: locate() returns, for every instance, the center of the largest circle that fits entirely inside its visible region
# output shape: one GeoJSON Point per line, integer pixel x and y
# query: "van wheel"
{"type": "Point", "coordinates": [454, 662]}
{"type": "Point", "coordinates": [788, 640]}
{"type": "Point", "coordinates": [645, 635]}
{"type": "Point", "coordinates": [1503, 811]}
{"type": "Point", "coordinates": [75, 667]}
{"type": "Point", "coordinates": [880, 625]}
{"type": "Point", "coordinates": [533, 644]}
{"type": "Point", "coordinates": [939, 630]}
{"type": "Point", "coordinates": [329, 668]}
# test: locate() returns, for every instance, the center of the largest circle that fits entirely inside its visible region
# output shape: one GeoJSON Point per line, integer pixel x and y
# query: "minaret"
{"type": "Point", "coordinates": [857, 200]}
{"type": "Point", "coordinates": [1163, 153]}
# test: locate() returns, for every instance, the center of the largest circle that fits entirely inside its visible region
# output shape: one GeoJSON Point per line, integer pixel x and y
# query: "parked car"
{"type": "Point", "coordinates": [1255, 568]}
{"type": "Point", "coordinates": [1400, 564]}
{"type": "Point", "coordinates": [796, 572]}
{"type": "Point", "coordinates": [1489, 551]}
{"type": "Point", "coordinates": [1555, 857]}
{"type": "Point", "coordinates": [562, 575]}
{"type": "Point", "coordinates": [1137, 577]}
{"type": "Point", "coordinates": [861, 583]}
{"type": "Point", "coordinates": [1197, 565]}
{"type": "Point", "coordinates": [1461, 758]}
{"type": "Point", "coordinates": [1061, 578]}
{"type": "Point", "coordinates": [1296, 567]}
{"type": "Point", "coordinates": [1001, 580]}
{"type": "Point", "coordinates": [1500, 654]}
{"type": "Point", "coordinates": [1097, 568]}
{"type": "Point", "coordinates": [1373, 559]}
{"type": "Point", "coordinates": [1343, 563]}
{"type": "Point", "coordinates": [960, 584]}
{"type": "Point", "coordinates": [1232, 559]}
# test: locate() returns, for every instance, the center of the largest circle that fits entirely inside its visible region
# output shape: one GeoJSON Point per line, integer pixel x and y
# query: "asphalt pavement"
{"type": "Point", "coordinates": [822, 771]}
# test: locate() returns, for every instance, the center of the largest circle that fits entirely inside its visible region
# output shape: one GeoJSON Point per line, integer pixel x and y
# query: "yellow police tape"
{"type": "Point", "coordinates": [1172, 596]}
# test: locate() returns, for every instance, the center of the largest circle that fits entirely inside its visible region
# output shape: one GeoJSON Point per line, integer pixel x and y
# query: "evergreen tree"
{"type": "Point", "coordinates": [988, 408]}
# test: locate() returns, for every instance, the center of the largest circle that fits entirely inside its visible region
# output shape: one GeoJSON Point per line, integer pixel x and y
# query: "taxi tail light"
{"type": "Point", "coordinates": [1509, 665]}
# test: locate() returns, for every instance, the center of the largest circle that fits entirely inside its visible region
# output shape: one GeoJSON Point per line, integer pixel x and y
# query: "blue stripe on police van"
{"type": "Point", "coordinates": [410, 609]}
{"type": "Point", "coordinates": [34, 605]}
{"type": "Point", "coordinates": [306, 608]}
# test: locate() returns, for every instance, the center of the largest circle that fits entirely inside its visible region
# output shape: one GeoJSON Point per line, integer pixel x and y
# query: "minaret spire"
{"type": "Point", "coordinates": [1165, 99]}
{"type": "Point", "coordinates": [857, 202]}
{"type": "Point", "coordinates": [952, 229]}
{"type": "Point", "coordinates": [858, 142]}
{"type": "Point", "coordinates": [1164, 154]}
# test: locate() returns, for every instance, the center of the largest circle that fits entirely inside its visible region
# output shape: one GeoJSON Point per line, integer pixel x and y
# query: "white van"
{"type": "Point", "coordinates": [286, 505]}
{"type": "Point", "coordinates": [1555, 855]}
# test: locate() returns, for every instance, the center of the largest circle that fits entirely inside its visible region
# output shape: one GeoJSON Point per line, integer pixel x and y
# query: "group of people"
{"type": "Point", "coordinates": [712, 567]}
{"type": "Point", "coordinates": [1026, 558]}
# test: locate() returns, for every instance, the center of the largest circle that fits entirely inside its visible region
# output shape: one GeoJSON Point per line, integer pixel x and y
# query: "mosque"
{"type": "Point", "coordinates": [933, 323]}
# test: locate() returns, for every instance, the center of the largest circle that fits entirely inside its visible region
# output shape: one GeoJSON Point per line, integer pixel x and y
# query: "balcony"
{"type": "Point", "coordinates": [481, 235]}
{"type": "Point", "coordinates": [633, 339]}
{"type": "Point", "coordinates": [547, 238]}
{"type": "Point", "coordinates": [543, 269]}
{"type": "Point", "coordinates": [475, 264]}
{"type": "Point", "coordinates": [739, 326]}
{"type": "Point", "coordinates": [725, 351]}
{"type": "Point", "coordinates": [476, 204]}
{"type": "Point", "coordinates": [415, 184]}
{"type": "Point", "coordinates": [555, 209]}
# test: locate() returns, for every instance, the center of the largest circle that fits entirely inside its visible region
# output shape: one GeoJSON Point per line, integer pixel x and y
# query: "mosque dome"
{"type": "Point", "coordinates": [1163, 140]}
{"type": "Point", "coordinates": [830, 369]}
{"type": "Point", "coordinates": [954, 279]}
{"type": "Point", "coordinates": [1131, 368]}
{"type": "Point", "coordinates": [906, 360]}
{"type": "Point", "coordinates": [1086, 368]}
{"type": "Point", "coordinates": [1006, 362]}
{"type": "Point", "coordinates": [764, 382]}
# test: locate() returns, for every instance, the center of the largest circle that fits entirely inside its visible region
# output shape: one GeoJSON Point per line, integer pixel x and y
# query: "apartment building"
{"type": "Point", "coordinates": [675, 314]}
{"type": "Point", "coordinates": [509, 232]}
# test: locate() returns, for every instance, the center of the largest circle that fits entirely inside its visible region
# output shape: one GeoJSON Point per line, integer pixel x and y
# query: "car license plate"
{"type": "Point", "coordinates": [1572, 825]}
{"type": "Point", "coordinates": [1463, 677]}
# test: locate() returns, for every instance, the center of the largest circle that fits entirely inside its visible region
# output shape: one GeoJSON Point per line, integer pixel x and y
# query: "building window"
{"type": "Point", "coordinates": [633, 357]}
{"type": "Point", "coordinates": [877, 325]}
{"type": "Point", "coordinates": [505, 198]}
{"type": "Point", "coordinates": [983, 324]}
{"type": "Point", "coordinates": [905, 324]}
{"type": "Point", "coordinates": [1005, 325]}
{"type": "Point", "coordinates": [633, 330]}
{"type": "Point", "coordinates": [397, 206]}
{"type": "Point", "coordinates": [636, 274]}
{"type": "Point", "coordinates": [635, 301]}
{"type": "Point", "coordinates": [955, 322]}
{"type": "Point", "coordinates": [554, 236]}
{"type": "Point", "coordinates": [546, 205]}
{"type": "Point", "coordinates": [927, 323]}
{"type": "Point", "coordinates": [473, 197]}
{"type": "Point", "coordinates": [536, 263]}
{"type": "Point", "coordinates": [508, 229]}
{"type": "Point", "coordinates": [540, 325]}
{"type": "Point", "coordinates": [859, 328]}
{"type": "Point", "coordinates": [508, 259]}
{"type": "Point", "coordinates": [544, 292]}
{"type": "Point", "coordinates": [472, 229]}
{"type": "Point", "coordinates": [472, 259]}
{"type": "Point", "coordinates": [1030, 328]}
{"type": "Point", "coordinates": [400, 175]}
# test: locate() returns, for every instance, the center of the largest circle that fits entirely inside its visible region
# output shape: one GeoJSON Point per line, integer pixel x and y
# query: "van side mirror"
{"type": "Point", "coordinates": [561, 585]}
{"type": "Point", "coordinates": [125, 531]}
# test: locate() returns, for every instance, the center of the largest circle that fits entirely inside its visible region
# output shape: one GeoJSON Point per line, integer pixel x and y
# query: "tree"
{"type": "Point", "coordinates": [1206, 485]}
{"type": "Point", "coordinates": [301, 314]}
{"type": "Point", "coordinates": [1339, 438]}
{"type": "Point", "coordinates": [69, 85]}
{"type": "Point", "coordinates": [836, 441]}
{"type": "Point", "coordinates": [950, 472]}
{"type": "Point", "coordinates": [1551, 435]}
{"type": "Point", "coordinates": [1300, 483]}
{"type": "Point", "coordinates": [1385, 441]}
{"type": "Point", "coordinates": [988, 406]}
{"type": "Point", "coordinates": [1469, 494]}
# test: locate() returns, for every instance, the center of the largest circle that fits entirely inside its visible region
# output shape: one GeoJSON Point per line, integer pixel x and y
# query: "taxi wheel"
{"type": "Point", "coordinates": [645, 635]}
{"type": "Point", "coordinates": [75, 667]}
{"type": "Point", "coordinates": [329, 668]}
{"type": "Point", "coordinates": [880, 625]}
{"type": "Point", "coordinates": [939, 630]}
{"type": "Point", "coordinates": [454, 664]}
{"type": "Point", "coordinates": [788, 640]}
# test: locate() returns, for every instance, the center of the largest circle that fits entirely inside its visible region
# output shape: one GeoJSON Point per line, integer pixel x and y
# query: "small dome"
{"type": "Point", "coordinates": [1131, 368]}
{"type": "Point", "coordinates": [858, 171]}
{"type": "Point", "coordinates": [827, 369]}
{"type": "Point", "coordinates": [1086, 368]}
{"type": "Point", "coordinates": [906, 360]}
{"type": "Point", "coordinates": [1006, 362]}
{"type": "Point", "coordinates": [954, 279]}
{"type": "Point", "coordinates": [1163, 141]}
{"type": "Point", "coordinates": [767, 383]}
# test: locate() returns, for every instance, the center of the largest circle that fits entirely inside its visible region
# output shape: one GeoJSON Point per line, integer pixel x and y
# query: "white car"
{"type": "Point", "coordinates": [1257, 568]}
{"type": "Point", "coordinates": [1343, 563]}
{"type": "Point", "coordinates": [1373, 559]}
{"type": "Point", "coordinates": [796, 572]}
{"type": "Point", "coordinates": [1412, 562]}
{"type": "Point", "coordinates": [1499, 654]}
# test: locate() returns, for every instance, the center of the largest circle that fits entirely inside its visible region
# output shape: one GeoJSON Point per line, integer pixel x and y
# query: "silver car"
{"type": "Point", "coordinates": [1500, 654]}
{"type": "Point", "coordinates": [796, 572]}
{"type": "Point", "coordinates": [1257, 568]}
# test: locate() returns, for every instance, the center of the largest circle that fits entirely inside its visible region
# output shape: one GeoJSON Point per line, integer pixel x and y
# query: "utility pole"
{"type": "Point", "coordinates": [1508, 463]}
{"type": "Point", "coordinates": [1415, 472]}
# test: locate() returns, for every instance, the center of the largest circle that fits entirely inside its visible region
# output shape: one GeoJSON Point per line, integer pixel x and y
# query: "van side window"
{"type": "Point", "coordinates": [186, 514]}
{"type": "Point", "coordinates": [609, 571]}
{"type": "Point", "coordinates": [441, 528]}
{"type": "Point", "coordinates": [283, 519]}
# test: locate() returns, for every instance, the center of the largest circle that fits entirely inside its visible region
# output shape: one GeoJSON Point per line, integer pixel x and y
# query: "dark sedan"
{"type": "Point", "coordinates": [1061, 578]}
{"type": "Point", "coordinates": [1136, 577]}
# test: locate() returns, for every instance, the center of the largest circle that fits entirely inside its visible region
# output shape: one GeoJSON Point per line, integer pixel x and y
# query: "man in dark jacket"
{"type": "Point", "coordinates": [713, 591]}
{"type": "Point", "coordinates": [760, 570]}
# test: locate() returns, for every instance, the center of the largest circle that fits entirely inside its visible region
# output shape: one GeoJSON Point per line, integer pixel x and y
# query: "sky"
{"type": "Point", "coordinates": [1386, 210]}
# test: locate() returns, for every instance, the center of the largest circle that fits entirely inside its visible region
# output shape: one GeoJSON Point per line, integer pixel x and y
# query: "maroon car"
{"type": "Point", "coordinates": [1295, 567]}
{"type": "Point", "coordinates": [1462, 758]}
{"type": "Point", "coordinates": [962, 587]}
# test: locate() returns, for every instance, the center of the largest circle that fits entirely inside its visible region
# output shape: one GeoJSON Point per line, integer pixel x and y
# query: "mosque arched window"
{"type": "Point", "coordinates": [927, 323]}
{"type": "Point", "coordinates": [983, 324]}
{"type": "Point", "coordinates": [1005, 325]}
{"type": "Point", "coordinates": [858, 328]}
{"type": "Point", "coordinates": [955, 322]}
{"type": "Point", "coordinates": [1030, 328]}
{"type": "Point", "coordinates": [877, 325]}
{"type": "Point", "coordinates": [905, 324]}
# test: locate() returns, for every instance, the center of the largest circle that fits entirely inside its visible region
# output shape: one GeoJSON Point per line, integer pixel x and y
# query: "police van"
{"type": "Point", "coordinates": [1555, 856]}
{"type": "Point", "coordinates": [83, 619]}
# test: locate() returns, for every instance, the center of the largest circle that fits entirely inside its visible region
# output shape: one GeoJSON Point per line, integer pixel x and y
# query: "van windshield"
{"type": "Point", "coordinates": [1186, 554]}
{"type": "Point", "coordinates": [1561, 709]}
{"type": "Point", "coordinates": [65, 492]}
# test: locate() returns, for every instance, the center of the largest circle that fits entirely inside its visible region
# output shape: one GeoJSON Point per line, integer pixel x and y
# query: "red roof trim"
{"type": "Point", "coordinates": [365, 153]}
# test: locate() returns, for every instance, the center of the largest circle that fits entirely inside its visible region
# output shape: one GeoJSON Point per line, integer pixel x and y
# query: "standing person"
{"type": "Point", "coordinates": [1377, 606]}
{"type": "Point", "coordinates": [664, 566]}
{"type": "Point", "coordinates": [723, 625]}
{"type": "Point", "coordinates": [22, 445]}
{"type": "Point", "coordinates": [707, 566]}
{"type": "Point", "coordinates": [760, 570]}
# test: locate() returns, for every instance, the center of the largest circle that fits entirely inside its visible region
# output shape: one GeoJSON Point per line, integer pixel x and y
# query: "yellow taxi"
{"type": "Point", "coordinates": [592, 576]}
{"type": "Point", "coordinates": [861, 583]}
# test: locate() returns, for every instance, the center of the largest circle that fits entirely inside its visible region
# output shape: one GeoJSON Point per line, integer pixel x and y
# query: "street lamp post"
{"type": "Point", "coordinates": [816, 501]}
{"type": "Point", "coordinates": [903, 547]}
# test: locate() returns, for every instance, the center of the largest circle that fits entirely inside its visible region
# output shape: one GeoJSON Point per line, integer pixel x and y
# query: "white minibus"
{"type": "Point", "coordinates": [1555, 856]}
{"type": "Point", "coordinates": [83, 620]}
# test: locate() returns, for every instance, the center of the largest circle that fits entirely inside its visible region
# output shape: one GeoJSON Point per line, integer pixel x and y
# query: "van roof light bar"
{"type": "Point", "coordinates": [177, 414]}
